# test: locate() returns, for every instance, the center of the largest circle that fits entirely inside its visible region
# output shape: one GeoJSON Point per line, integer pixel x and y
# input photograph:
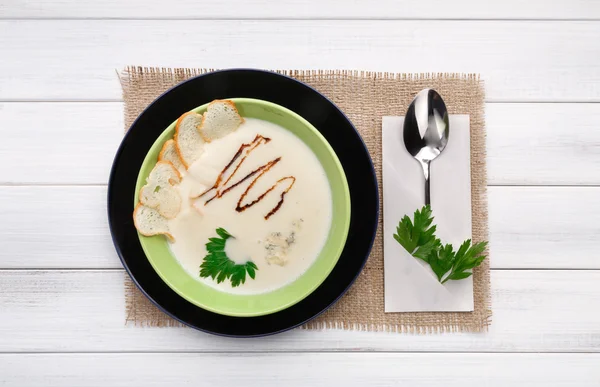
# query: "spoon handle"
{"type": "Point", "coordinates": [425, 165]}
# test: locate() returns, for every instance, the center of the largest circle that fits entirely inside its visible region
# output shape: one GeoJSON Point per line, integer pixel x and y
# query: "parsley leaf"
{"type": "Point", "coordinates": [441, 261]}
{"type": "Point", "coordinates": [418, 238]}
{"type": "Point", "coordinates": [217, 265]}
{"type": "Point", "coordinates": [467, 257]}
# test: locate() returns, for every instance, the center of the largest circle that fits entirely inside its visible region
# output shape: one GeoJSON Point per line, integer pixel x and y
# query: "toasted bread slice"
{"type": "Point", "coordinates": [164, 172]}
{"type": "Point", "coordinates": [159, 193]}
{"type": "Point", "coordinates": [220, 119]}
{"type": "Point", "coordinates": [188, 141]}
{"type": "Point", "coordinates": [164, 198]}
{"type": "Point", "coordinates": [169, 153]}
{"type": "Point", "coordinates": [149, 222]}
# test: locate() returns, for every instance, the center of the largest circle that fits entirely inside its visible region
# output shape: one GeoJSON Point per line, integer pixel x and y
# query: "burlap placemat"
{"type": "Point", "coordinates": [365, 97]}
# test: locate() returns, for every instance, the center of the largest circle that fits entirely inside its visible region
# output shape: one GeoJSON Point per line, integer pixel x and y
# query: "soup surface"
{"type": "Point", "coordinates": [279, 216]}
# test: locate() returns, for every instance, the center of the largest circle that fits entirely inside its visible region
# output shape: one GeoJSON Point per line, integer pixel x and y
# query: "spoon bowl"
{"type": "Point", "coordinates": [426, 131]}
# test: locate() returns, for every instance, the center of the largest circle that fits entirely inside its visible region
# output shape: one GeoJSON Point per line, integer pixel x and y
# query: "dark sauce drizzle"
{"type": "Point", "coordinates": [242, 153]}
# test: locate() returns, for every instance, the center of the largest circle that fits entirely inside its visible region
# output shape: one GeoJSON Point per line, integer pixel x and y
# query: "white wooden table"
{"type": "Point", "coordinates": [61, 283]}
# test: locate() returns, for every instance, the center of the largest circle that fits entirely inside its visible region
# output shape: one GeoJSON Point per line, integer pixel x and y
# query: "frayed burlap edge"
{"type": "Point", "coordinates": [365, 97]}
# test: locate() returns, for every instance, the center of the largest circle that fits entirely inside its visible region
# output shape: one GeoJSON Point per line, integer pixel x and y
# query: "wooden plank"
{"type": "Point", "coordinates": [544, 227]}
{"type": "Point", "coordinates": [58, 311]}
{"type": "Point", "coordinates": [322, 369]}
{"type": "Point", "coordinates": [543, 144]}
{"type": "Point", "coordinates": [55, 227]}
{"type": "Point", "coordinates": [68, 143]}
{"type": "Point", "coordinates": [310, 9]}
{"type": "Point", "coordinates": [528, 144]}
{"type": "Point", "coordinates": [520, 61]}
{"type": "Point", "coordinates": [530, 227]}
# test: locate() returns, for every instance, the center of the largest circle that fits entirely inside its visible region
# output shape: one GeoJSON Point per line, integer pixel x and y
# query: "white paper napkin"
{"type": "Point", "coordinates": [410, 284]}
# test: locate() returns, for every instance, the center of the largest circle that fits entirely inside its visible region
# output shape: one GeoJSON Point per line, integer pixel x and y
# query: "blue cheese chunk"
{"type": "Point", "coordinates": [277, 244]}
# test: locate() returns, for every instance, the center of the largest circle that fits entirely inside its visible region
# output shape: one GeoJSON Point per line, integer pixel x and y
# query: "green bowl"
{"type": "Point", "coordinates": [192, 289]}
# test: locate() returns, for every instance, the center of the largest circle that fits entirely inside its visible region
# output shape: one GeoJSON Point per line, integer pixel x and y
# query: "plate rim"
{"type": "Point", "coordinates": [303, 320]}
{"type": "Point", "coordinates": [206, 302]}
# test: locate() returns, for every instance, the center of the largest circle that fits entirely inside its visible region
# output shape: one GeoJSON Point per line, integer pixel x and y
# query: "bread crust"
{"type": "Point", "coordinates": [225, 101]}
{"type": "Point", "coordinates": [137, 208]}
{"type": "Point", "coordinates": [167, 162]}
{"type": "Point", "coordinates": [171, 182]}
{"type": "Point", "coordinates": [176, 136]}
{"type": "Point", "coordinates": [163, 150]}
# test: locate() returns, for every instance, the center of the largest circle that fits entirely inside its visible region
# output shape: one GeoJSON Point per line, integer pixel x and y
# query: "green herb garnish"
{"type": "Point", "coordinates": [418, 238]}
{"type": "Point", "coordinates": [217, 265]}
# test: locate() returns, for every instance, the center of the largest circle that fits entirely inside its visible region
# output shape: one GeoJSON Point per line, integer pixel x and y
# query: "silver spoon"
{"type": "Point", "coordinates": [426, 131]}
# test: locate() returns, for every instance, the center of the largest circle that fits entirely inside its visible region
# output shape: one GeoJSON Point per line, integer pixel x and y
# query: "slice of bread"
{"type": "Point", "coordinates": [220, 119]}
{"type": "Point", "coordinates": [188, 141]}
{"type": "Point", "coordinates": [149, 222]}
{"type": "Point", "coordinates": [169, 153]}
{"type": "Point", "coordinates": [164, 172]}
{"type": "Point", "coordinates": [165, 199]}
{"type": "Point", "coordinates": [159, 192]}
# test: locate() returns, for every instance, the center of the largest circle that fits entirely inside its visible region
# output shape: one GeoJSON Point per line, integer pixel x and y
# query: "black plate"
{"type": "Point", "coordinates": [279, 89]}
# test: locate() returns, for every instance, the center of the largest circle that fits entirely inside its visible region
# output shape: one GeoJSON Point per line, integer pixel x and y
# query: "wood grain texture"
{"type": "Point", "coordinates": [57, 311]}
{"type": "Point", "coordinates": [542, 227]}
{"type": "Point", "coordinates": [528, 143]}
{"type": "Point", "coordinates": [68, 143]}
{"type": "Point", "coordinates": [55, 227]}
{"type": "Point", "coordinates": [543, 144]}
{"type": "Point", "coordinates": [325, 369]}
{"type": "Point", "coordinates": [310, 9]}
{"type": "Point", "coordinates": [530, 227]}
{"type": "Point", "coordinates": [76, 59]}
{"type": "Point", "coordinates": [49, 223]}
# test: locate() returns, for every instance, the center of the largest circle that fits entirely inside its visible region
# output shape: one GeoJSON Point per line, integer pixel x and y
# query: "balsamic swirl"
{"type": "Point", "coordinates": [221, 187]}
